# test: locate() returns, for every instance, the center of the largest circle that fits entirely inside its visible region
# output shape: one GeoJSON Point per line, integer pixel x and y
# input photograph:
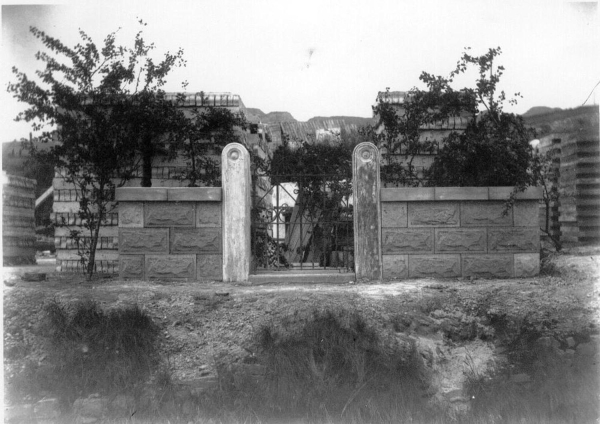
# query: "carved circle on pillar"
{"type": "Point", "coordinates": [366, 154]}
{"type": "Point", "coordinates": [234, 154]}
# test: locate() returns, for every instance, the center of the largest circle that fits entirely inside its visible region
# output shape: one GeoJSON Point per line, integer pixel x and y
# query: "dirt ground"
{"type": "Point", "coordinates": [207, 323]}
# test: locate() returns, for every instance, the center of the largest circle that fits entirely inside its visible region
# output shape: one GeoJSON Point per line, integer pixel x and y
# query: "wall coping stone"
{"type": "Point", "coordinates": [461, 193]}
{"type": "Point", "coordinates": [195, 194]}
{"type": "Point", "coordinates": [403, 194]}
{"type": "Point", "coordinates": [136, 194]}
{"type": "Point", "coordinates": [502, 193]}
{"type": "Point", "coordinates": [164, 194]}
{"type": "Point", "coordinates": [415, 194]}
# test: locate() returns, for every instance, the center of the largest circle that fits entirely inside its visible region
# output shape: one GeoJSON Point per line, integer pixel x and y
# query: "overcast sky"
{"type": "Point", "coordinates": [329, 57]}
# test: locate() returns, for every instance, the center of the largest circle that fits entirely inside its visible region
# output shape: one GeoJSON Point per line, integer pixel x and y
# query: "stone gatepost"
{"type": "Point", "coordinates": [235, 167]}
{"type": "Point", "coordinates": [367, 228]}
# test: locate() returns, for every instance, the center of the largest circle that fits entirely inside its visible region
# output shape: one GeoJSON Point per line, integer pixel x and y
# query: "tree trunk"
{"type": "Point", "coordinates": [147, 156]}
{"type": "Point", "coordinates": [95, 233]}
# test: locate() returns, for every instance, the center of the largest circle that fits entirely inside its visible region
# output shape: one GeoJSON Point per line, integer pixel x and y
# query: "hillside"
{"type": "Point", "coordinates": [269, 117]}
{"type": "Point", "coordinates": [540, 110]}
{"type": "Point", "coordinates": [255, 114]}
{"type": "Point", "coordinates": [355, 120]}
{"type": "Point", "coordinates": [582, 121]}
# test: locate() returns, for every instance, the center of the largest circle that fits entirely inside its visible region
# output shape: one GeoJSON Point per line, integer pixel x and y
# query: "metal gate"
{"type": "Point", "coordinates": [302, 222]}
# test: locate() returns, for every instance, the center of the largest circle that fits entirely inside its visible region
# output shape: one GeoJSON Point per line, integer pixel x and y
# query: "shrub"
{"type": "Point", "coordinates": [336, 367]}
{"type": "Point", "coordinates": [97, 351]}
{"type": "Point", "coordinates": [492, 151]}
{"type": "Point", "coordinates": [556, 393]}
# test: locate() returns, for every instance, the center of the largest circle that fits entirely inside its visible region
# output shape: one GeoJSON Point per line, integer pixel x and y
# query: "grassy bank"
{"type": "Point", "coordinates": [331, 356]}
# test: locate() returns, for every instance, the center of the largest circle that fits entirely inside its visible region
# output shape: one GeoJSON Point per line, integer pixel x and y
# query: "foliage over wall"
{"type": "Point", "coordinates": [494, 148]}
{"type": "Point", "coordinates": [201, 139]}
{"type": "Point", "coordinates": [105, 107]}
{"type": "Point", "coordinates": [305, 162]}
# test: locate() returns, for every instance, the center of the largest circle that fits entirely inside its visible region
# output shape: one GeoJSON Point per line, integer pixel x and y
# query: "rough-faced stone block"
{"type": "Point", "coordinates": [395, 266]}
{"type": "Point", "coordinates": [433, 214]}
{"type": "Point", "coordinates": [196, 240]}
{"type": "Point", "coordinates": [484, 214]}
{"type": "Point", "coordinates": [171, 266]}
{"type": "Point", "coordinates": [526, 213]}
{"type": "Point", "coordinates": [164, 214]}
{"type": "Point", "coordinates": [488, 266]}
{"type": "Point", "coordinates": [209, 267]}
{"type": "Point", "coordinates": [527, 264]}
{"type": "Point", "coordinates": [439, 266]}
{"type": "Point", "coordinates": [143, 240]}
{"type": "Point", "coordinates": [208, 214]}
{"type": "Point", "coordinates": [131, 266]}
{"type": "Point", "coordinates": [518, 239]}
{"type": "Point", "coordinates": [460, 240]}
{"type": "Point", "coordinates": [407, 240]}
{"type": "Point", "coordinates": [131, 214]}
{"type": "Point", "coordinates": [394, 214]}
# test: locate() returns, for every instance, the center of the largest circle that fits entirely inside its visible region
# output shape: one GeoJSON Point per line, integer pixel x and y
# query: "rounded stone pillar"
{"type": "Point", "coordinates": [367, 227]}
{"type": "Point", "coordinates": [235, 168]}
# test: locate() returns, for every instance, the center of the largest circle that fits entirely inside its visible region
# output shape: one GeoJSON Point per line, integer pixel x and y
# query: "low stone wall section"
{"type": "Point", "coordinates": [459, 232]}
{"type": "Point", "coordinates": [170, 233]}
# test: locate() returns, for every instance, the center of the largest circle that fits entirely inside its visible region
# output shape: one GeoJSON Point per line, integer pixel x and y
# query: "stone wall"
{"type": "Point", "coordinates": [459, 232]}
{"type": "Point", "coordinates": [170, 233]}
{"type": "Point", "coordinates": [165, 174]}
{"type": "Point", "coordinates": [18, 221]}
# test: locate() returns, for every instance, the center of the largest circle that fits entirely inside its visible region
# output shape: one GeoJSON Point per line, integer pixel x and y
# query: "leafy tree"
{"type": "Point", "coordinates": [546, 169]}
{"type": "Point", "coordinates": [398, 130]}
{"type": "Point", "coordinates": [493, 150]}
{"type": "Point", "coordinates": [201, 138]}
{"type": "Point", "coordinates": [490, 152]}
{"type": "Point", "coordinates": [104, 105]}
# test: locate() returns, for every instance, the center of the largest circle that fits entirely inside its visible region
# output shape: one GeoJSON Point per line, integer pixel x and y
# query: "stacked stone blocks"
{"type": "Point", "coordinates": [459, 232]}
{"type": "Point", "coordinates": [170, 233]}
{"type": "Point", "coordinates": [18, 233]}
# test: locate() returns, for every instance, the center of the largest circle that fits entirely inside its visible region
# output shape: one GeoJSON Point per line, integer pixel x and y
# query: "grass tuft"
{"type": "Point", "coordinates": [94, 351]}
{"type": "Point", "coordinates": [333, 367]}
{"type": "Point", "coordinates": [556, 393]}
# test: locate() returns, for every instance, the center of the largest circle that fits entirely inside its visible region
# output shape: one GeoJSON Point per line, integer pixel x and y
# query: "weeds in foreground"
{"type": "Point", "coordinates": [92, 351]}
{"type": "Point", "coordinates": [327, 365]}
{"type": "Point", "coordinates": [555, 393]}
{"type": "Point", "coordinates": [330, 367]}
{"type": "Point", "coordinates": [549, 265]}
{"type": "Point", "coordinates": [334, 368]}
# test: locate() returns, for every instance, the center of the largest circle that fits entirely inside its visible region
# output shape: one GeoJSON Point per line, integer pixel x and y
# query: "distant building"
{"type": "Point", "coordinates": [574, 134]}
{"type": "Point", "coordinates": [314, 130]}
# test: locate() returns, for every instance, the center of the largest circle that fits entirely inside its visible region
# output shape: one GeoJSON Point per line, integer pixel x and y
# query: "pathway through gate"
{"type": "Point", "coordinates": [302, 226]}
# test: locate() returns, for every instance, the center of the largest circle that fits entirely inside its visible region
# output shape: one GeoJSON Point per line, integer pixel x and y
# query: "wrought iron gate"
{"type": "Point", "coordinates": [302, 222]}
